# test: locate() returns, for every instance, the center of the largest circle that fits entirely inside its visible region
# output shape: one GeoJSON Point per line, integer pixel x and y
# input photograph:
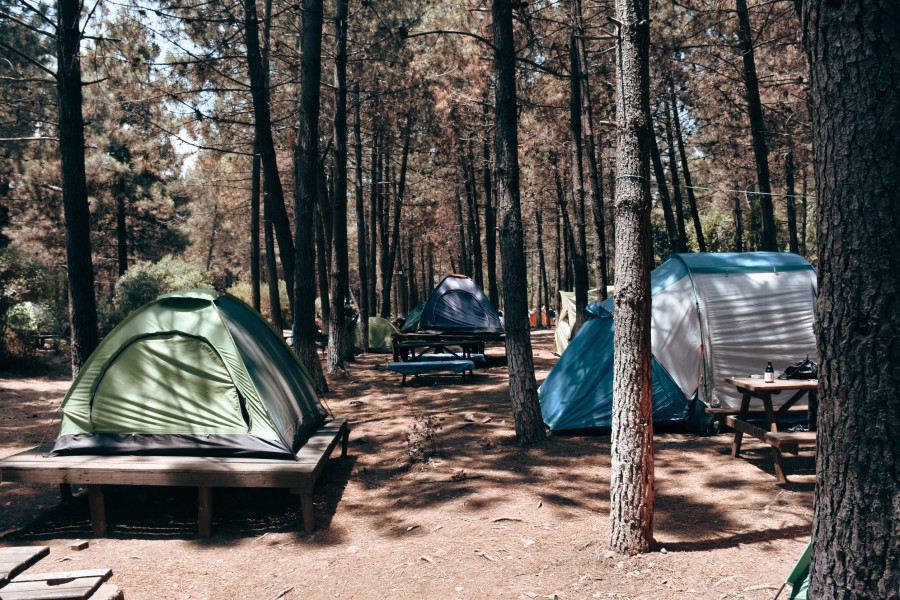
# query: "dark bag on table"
{"type": "Point", "coordinates": [805, 369]}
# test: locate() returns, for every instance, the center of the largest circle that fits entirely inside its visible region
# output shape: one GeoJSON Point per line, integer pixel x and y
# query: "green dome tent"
{"type": "Point", "coordinates": [193, 373]}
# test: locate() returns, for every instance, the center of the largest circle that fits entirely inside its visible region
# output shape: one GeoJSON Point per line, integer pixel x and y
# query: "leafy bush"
{"type": "Point", "coordinates": [32, 300]}
{"type": "Point", "coordinates": [243, 291]}
{"type": "Point", "coordinates": [143, 282]}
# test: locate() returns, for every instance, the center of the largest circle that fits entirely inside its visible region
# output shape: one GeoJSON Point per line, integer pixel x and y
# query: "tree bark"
{"type": "Point", "coordinates": [272, 267]}
{"type": "Point", "coordinates": [307, 172]}
{"type": "Point", "coordinates": [522, 385]}
{"type": "Point", "coordinates": [768, 239]}
{"type": "Point", "coordinates": [804, 204]}
{"type": "Point", "coordinates": [490, 218]}
{"type": "Point", "coordinates": [338, 340]}
{"type": "Point", "coordinates": [591, 144]}
{"type": "Point", "coordinates": [364, 306]}
{"type": "Point", "coordinates": [322, 269]}
{"type": "Point", "coordinates": [685, 169]}
{"type": "Point", "coordinates": [663, 188]}
{"type": "Point", "coordinates": [474, 221]}
{"type": "Point", "coordinates": [255, 187]}
{"type": "Point", "coordinates": [121, 232]}
{"type": "Point", "coordinates": [631, 489]}
{"type": "Point", "coordinates": [374, 174]}
{"type": "Point", "coordinates": [793, 243]}
{"type": "Point", "coordinates": [676, 183]}
{"type": "Point", "coordinates": [576, 147]}
{"type": "Point", "coordinates": [262, 124]}
{"type": "Point", "coordinates": [390, 246]}
{"type": "Point", "coordinates": [855, 77]}
{"type": "Point", "coordinates": [738, 224]}
{"type": "Point", "coordinates": [79, 263]}
{"type": "Point", "coordinates": [542, 268]}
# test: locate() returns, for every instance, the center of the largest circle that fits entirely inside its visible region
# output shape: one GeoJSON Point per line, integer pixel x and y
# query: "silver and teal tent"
{"type": "Point", "coordinates": [713, 316]}
{"type": "Point", "coordinates": [195, 373]}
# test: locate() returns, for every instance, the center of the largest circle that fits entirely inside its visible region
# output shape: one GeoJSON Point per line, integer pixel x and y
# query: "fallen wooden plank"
{"type": "Point", "coordinates": [63, 576]}
{"type": "Point", "coordinates": [108, 591]}
{"type": "Point", "coordinates": [14, 560]}
{"type": "Point", "coordinates": [75, 589]}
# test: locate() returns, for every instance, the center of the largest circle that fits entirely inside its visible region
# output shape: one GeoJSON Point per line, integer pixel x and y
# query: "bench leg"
{"type": "Point", "coordinates": [65, 492]}
{"type": "Point", "coordinates": [98, 509]}
{"type": "Point", "coordinates": [306, 508]}
{"type": "Point", "coordinates": [345, 439]}
{"type": "Point", "coordinates": [204, 511]}
{"type": "Point", "coordinates": [779, 465]}
{"type": "Point", "coordinates": [739, 435]}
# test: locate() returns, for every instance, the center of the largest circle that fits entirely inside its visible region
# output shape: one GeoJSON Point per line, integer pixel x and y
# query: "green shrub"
{"type": "Point", "coordinates": [32, 300]}
{"type": "Point", "coordinates": [143, 282]}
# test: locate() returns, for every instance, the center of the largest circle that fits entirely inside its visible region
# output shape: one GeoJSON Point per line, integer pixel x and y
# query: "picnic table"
{"type": "Point", "coordinates": [780, 441]}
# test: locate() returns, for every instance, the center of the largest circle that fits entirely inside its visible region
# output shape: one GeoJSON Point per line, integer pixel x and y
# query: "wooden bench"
{"type": "Point", "coordinates": [478, 359]}
{"type": "Point", "coordinates": [721, 413]}
{"type": "Point", "coordinates": [85, 584]}
{"type": "Point", "coordinates": [420, 367]}
{"type": "Point", "coordinates": [787, 441]}
{"type": "Point", "coordinates": [38, 465]}
{"type": "Point", "coordinates": [790, 441]}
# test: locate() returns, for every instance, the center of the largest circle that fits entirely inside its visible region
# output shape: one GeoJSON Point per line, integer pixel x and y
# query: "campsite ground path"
{"type": "Point", "coordinates": [481, 518]}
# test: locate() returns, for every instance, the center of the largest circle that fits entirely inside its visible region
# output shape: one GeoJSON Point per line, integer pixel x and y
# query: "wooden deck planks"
{"type": "Point", "coordinates": [94, 471]}
{"type": "Point", "coordinates": [15, 560]}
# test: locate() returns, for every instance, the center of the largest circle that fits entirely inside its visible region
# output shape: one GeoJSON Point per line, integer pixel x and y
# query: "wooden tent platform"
{"type": "Point", "coordinates": [38, 465]}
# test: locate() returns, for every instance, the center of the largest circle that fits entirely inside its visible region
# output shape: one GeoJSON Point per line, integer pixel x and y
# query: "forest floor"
{"type": "Point", "coordinates": [482, 518]}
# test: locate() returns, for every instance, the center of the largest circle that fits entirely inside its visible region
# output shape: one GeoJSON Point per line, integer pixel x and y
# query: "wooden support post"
{"type": "Point", "coordinates": [738, 434]}
{"type": "Point", "coordinates": [65, 492]}
{"type": "Point", "coordinates": [345, 439]}
{"type": "Point", "coordinates": [306, 508]}
{"type": "Point", "coordinates": [98, 509]}
{"type": "Point", "coordinates": [204, 511]}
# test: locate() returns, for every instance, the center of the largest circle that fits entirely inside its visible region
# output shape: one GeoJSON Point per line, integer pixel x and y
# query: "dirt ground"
{"type": "Point", "coordinates": [482, 518]}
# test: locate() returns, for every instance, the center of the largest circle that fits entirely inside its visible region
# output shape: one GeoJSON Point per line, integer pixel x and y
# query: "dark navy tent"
{"type": "Point", "coordinates": [458, 305]}
{"type": "Point", "coordinates": [713, 316]}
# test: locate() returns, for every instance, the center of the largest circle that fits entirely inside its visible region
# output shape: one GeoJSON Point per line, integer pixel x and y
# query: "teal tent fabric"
{"type": "Point", "coordinates": [412, 319]}
{"type": "Point", "coordinates": [578, 392]}
{"type": "Point", "coordinates": [713, 316]}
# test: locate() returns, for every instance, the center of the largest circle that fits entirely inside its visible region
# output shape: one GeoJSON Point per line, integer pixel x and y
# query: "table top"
{"type": "Point", "coordinates": [759, 385]}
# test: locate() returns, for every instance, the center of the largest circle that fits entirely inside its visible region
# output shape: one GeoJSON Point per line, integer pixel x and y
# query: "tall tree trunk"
{"type": "Point", "coordinates": [490, 220]}
{"type": "Point", "coordinates": [461, 228]}
{"type": "Point", "coordinates": [391, 245]}
{"type": "Point", "coordinates": [768, 239]}
{"type": "Point", "coordinates": [474, 220]}
{"type": "Point", "coordinates": [738, 224]}
{"type": "Point", "coordinates": [375, 173]}
{"type": "Point", "coordinates": [363, 259]}
{"type": "Point", "coordinates": [255, 188]}
{"type": "Point", "coordinates": [322, 270]}
{"type": "Point", "coordinates": [631, 489]}
{"type": "Point", "coordinates": [384, 206]}
{"type": "Point", "coordinates": [685, 169]}
{"type": "Point", "coordinates": [576, 137]}
{"type": "Point", "coordinates": [79, 264]}
{"type": "Point", "coordinates": [793, 243]}
{"type": "Point", "coordinates": [676, 183]}
{"type": "Point", "coordinates": [601, 267]}
{"type": "Point", "coordinates": [804, 204]}
{"type": "Point", "coordinates": [413, 299]}
{"type": "Point", "coordinates": [272, 267]}
{"type": "Point", "coordinates": [663, 188]}
{"type": "Point", "coordinates": [558, 260]}
{"type": "Point", "coordinates": [855, 77]}
{"type": "Point", "coordinates": [307, 172]}
{"type": "Point", "coordinates": [257, 66]}
{"type": "Point", "coordinates": [430, 269]}
{"type": "Point", "coordinates": [338, 340]}
{"type": "Point", "coordinates": [542, 267]}
{"type": "Point", "coordinates": [522, 385]}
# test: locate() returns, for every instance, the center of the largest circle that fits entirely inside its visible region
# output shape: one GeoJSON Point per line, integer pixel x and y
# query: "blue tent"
{"type": "Point", "coordinates": [458, 305]}
{"type": "Point", "coordinates": [713, 316]}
